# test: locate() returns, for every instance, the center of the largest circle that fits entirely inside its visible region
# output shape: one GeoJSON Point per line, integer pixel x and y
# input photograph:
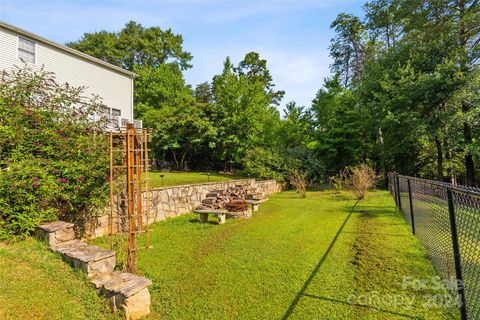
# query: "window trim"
{"type": "Point", "coordinates": [116, 115]}
{"type": "Point", "coordinates": [34, 49]}
{"type": "Point", "coordinates": [104, 108]}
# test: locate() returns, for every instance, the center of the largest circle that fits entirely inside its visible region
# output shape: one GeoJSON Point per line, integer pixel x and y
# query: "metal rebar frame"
{"type": "Point", "coordinates": [129, 189]}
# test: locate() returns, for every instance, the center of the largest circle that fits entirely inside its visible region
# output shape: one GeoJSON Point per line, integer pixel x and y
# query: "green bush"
{"type": "Point", "coordinates": [53, 156]}
{"type": "Point", "coordinates": [263, 163]}
{"type": "Point", "coordinates": [304, 159]}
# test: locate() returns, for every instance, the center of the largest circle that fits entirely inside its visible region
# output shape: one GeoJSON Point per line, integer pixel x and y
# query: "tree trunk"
{"type": "Point", "coordinates": [469, 164]}
{"type": "Point", "coordinates": [182, 161]}
{"type": "Point", "coordinates": [449, 159]}
{"type": "Point", "coordinates": [438, 144]}
{"type": "Point", "coordinates": [467, 129]}
{"type": "Point", "coordinates": [347, 71]}
{"type": "Point", "coordinates": [175, 159]}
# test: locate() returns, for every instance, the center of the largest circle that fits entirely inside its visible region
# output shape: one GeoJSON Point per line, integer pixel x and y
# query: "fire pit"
{"type": "Point", "coordinates": [240, 214]}
{"type": "Point", "coordinates": [232, 200]}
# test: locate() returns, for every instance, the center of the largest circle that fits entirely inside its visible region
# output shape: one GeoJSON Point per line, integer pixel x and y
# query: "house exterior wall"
{"type": "Point", "coordinates": [114, 87]}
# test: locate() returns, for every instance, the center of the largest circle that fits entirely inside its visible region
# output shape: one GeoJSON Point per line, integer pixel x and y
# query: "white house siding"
{"type": "Point", "coordinates": [115, 88]}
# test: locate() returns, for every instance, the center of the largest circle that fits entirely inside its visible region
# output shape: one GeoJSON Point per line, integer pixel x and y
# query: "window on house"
{"type": "Point", "coordinates": [116, 112]}
{"type": "Point", "coordinates": [113, 122]}
{"type": "Point", "coordinates": [105, 110]}
{"type": "Point", "coordinates": [26, 50]}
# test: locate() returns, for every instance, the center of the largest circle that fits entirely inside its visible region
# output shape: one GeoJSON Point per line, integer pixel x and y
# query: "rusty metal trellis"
{"type": "Point", "coordinates": [129, 189]}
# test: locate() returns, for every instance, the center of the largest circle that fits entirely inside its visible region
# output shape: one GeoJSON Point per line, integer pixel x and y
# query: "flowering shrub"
{"type": "Point", "coordinates": [53, 157]}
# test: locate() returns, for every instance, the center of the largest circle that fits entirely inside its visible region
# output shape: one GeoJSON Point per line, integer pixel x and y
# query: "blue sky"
{"type": "Point", "coordinates": [293, 35]}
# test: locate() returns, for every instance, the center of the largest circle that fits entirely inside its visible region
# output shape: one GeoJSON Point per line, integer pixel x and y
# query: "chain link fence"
{"type": "Point", "coordinates": [446, 220]}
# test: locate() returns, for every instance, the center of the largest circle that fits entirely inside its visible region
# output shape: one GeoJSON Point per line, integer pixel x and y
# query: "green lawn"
{"type": "Point", "coordinates": [296, 258]}
{"type": "Point", "coordinates": [181, 178]}
{"type": "Point", "coordinates": [36, 284]}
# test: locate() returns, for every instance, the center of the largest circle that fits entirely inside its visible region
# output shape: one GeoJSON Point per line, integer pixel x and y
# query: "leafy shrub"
{"type": "Point", "coordinates": [304, 159]}
{"type": "Point", "coordinates": [263, 163]}
{"type": "Point", "coordinates": [363, 178]}
{"type": "Point", "coordinates": [53, 157]}
{"type": "Point", "coordinates": [340, 180]}
{"type": "Point", "coordinates": [358, 179]}
{"type": "Point", "coordinates": [299, 181]}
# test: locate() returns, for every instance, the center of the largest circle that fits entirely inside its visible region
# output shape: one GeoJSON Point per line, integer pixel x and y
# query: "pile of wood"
{"type": "Point", "coordinates": [231, 199]}
{"type": "Point", "coordinates": [236, 205]}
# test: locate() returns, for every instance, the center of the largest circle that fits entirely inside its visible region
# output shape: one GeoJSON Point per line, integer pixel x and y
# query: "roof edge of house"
{"type": "Point", "coordinates": [85, 56]}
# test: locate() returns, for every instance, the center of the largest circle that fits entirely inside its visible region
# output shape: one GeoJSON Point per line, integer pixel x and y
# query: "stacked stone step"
{"type": "Point", "coordinates": [90, 259]}
{"type": "Point", "coordinates": [124, 290]}
{"type": "Point", "coordinates": [55, 233]}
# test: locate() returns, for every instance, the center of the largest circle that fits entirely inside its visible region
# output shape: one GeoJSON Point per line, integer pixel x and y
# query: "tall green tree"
{"type": "Point", "coordinates": [348, 48]}
{"type": "Point", "coordinates": [161, 94]}
{"type": "Point", "coordinates": [245, 107]}
{"type": "Point", "coordinates": [135, 45]}
{"type": "Point", "coordinates": [383, 20]}
{"type": "Point", "coordinates": [203, 93]}
{"type": "Point", "coordinates": [183, 134]}
{"type": "Point", "coordinates": [340, 127]}
{"type": "Point", "coordinates": [411, 68]}
{"type": "Point", "coordinates": [160, 87]}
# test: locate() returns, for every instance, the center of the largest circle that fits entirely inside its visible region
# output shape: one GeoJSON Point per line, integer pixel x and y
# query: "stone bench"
{"type": "Point", "coordinates": [127, 292]}
{"type": "Point", "coordinates": [221, 215]}
{"type": "Point", "coordinates": [90, 259]}
{"type": "Point", "coordinates": [255, 203]}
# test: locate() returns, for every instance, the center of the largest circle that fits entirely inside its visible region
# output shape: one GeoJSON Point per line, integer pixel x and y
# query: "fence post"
{"type": "Point", "coordinates": [394, 188]}
{"type": "Point", "coordinates": [456, 256]}
{"type": "Point", "coordinates": [398, 193]}
{"type": "Point", "coordinates": [411, 204]}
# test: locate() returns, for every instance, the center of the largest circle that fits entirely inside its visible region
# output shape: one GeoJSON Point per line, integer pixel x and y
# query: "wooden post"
{"type": "Point", "coordinates": [131, 264]}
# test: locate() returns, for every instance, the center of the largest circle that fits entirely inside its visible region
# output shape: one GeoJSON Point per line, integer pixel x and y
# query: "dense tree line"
{"type": "Point", "coordinates": [411, 70]}
{"type": "Point", "coordinates": [404, 94]}
{"type": "Point", "coordinates": [230, 123]}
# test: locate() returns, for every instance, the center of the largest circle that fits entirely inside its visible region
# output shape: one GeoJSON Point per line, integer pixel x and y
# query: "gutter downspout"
{"type": "Point", "coordinates": [133, 78]}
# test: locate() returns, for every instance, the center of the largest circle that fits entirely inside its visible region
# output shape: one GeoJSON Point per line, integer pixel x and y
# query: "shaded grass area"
{"type": "Point", "coordinates": [295, 259]}
{"type": "Point", "coordinates": [37, 284]}
{"type": "Point", "coordinates": [182, 178]}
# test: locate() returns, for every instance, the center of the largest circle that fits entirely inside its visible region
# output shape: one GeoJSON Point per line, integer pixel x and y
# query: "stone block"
{"type": "Point", "coordinates": [240, 214]}
{"type": "Point", "coordinates": [56, 232]}
{"type": "Point", "coordinates": [127, 292]}
{"type": "Point", "coordinates": [90, 259]}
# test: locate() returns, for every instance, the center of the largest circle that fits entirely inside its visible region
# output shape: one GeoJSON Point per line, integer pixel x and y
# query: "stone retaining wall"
{"type": "Point", "coordinates": [174, 201]}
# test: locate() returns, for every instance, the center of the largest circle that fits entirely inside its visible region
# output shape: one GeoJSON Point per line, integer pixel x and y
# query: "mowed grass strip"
{"type": "Point", "coordinates": [182, 178]}
{"type": "Point", "coordinates": [275, 266]}
{"type": "Point", "coordinates": [37, 284]}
